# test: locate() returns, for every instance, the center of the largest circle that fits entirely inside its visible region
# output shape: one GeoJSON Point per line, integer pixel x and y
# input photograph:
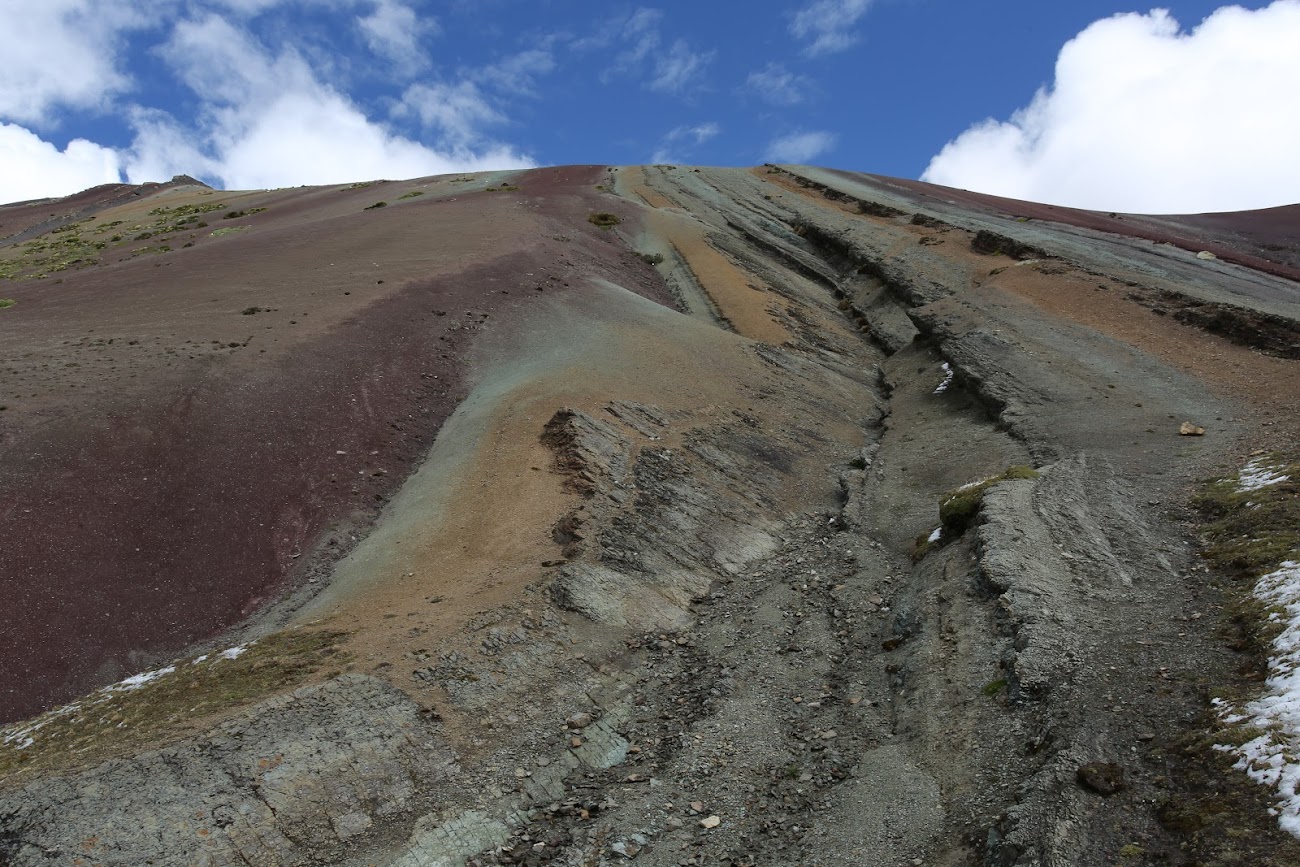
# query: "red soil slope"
{"type": "Point", "coordinates": [173, 459]}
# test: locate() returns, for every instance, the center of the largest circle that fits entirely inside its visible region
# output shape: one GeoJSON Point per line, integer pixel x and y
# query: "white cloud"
{"type": "Point", "coordinates": [687, 136]}
{"type": "Point", "coordinates": [163, 148]}
{"type": "Point", "coordinates": [1146, 117]}
{"type": "Point", "coordinates": [456, 111]}
{"type": "Point", "coordinates": [393, 30]}
{"type": "Point", "coordinates": [32, 168]}
{"type": "Point", "coordinates": [517, 74]}
{"type": "Point", "coordinates": [673, 70]}
{"type": "Point", "coordinates": [777, 85]}
{"type": "Point", "coordinates": [317, 137]}
{"type": "Point", "coordinates": [799, 147]}
{"type": "Point", "coordinates": [61, 53]}
{"type": "Point", "coordinates": [677, 70]}
{"type": "Point", "coordinates": [642, 32]}
{"type": "Point", "coordinates": [827, 25]}
{"type": "Point", "coordinates": [268, 121]}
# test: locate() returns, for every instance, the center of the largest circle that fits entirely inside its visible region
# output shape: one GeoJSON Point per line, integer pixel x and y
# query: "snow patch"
{"type": "Point", "coordinates": [1273, 758]}
{"type": "Point", "coordinates": [1257, 474]}
{"type": "Point", "coordinates": [136, 681]}
{"type": "Point", "coordinates": [947, 378]}
{"type": "Point", "coordinates": [935, 534]}
{"type": "Point", "coordinates": [233, 653]}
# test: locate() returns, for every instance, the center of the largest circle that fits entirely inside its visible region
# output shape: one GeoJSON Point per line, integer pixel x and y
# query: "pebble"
{"type": "Point", "coordinates": [578, 720]}
{"type": "Point", "coordinates": [710, 822]}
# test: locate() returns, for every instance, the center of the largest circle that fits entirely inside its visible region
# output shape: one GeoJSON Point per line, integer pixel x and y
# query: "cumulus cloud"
{"type": "Point", "coordinates": [799, 147]}
{"type": "Point", "coordinates": [687, 137]}
{"type": "Point", "coordinates": [826, 26]}
{"type": "Point", "coordinates": [37, 169]}
{"type": "Point", "coordinates": [61, 53]}
{"type": "Point", "coordinates": [777, 85]}
{"type": "Point", "coordinates": [1144, 116]}
{"type": "Point", "coordinates": [393, 30]}
{"type": "Point", "coordinates": [269, 121]}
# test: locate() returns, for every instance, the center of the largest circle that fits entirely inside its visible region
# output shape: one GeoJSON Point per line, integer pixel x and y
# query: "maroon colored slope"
{"type": "Point", "coordinates": [165, 473]}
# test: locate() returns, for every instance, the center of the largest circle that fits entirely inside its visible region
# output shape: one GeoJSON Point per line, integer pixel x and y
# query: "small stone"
{"type": "Point", "coordinates": [710, 822]}
{"type": "Point", "coordinates": [578, 720]}
{"type": "Point", "coordinates": [697, 806]}
{"type": "Point", "coordinates": [1206, 254]}
{"type": "Point", "coordinates": [575, 742]}
{"type": "Point", "coordinates": [673, 823]}
{"type": "Point", "coordinates": [856, 700]}
{"type": "Point", "coordinates": [1187, 429]}
{"type": "Point", "coordinates": [829, 735]}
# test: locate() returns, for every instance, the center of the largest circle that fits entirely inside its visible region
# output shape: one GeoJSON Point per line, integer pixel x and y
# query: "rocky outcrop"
{"type": "Point", "coordinates": [291, 782]}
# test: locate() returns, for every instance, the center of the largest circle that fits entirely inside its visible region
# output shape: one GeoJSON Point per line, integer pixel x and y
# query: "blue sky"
{"type": "Point", "coordinates": [1151, 110]}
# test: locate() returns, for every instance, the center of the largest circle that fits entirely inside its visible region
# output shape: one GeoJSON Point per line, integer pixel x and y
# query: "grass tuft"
{"type": "Point", "coordinates": [957, 509]}
{"type": "Point", "coordinates": [604, 220]}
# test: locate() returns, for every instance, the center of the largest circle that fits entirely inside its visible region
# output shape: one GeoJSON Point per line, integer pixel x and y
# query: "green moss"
{"type": "Point", "coordinates": [993, 687]}
{"type": "Point", "coordinates": [376, 205]}
{"type": "Point", "coordinates": [7, 302]}
{"type": "Point", "coordinates": [117, 722]}
{"type": "Point", "coordinates": [411, 195]}
{"type": "Point", "coordinates": [1249, 533]}
{"type": "Point", "coordinates": [957, 509]}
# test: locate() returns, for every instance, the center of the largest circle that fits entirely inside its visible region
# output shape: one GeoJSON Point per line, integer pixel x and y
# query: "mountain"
{"type": "Point", "coordinates": [685, 515]}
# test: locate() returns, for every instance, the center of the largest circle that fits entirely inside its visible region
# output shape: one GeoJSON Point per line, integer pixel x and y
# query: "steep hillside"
{"type": "Point", "coordinates": [685, 515]}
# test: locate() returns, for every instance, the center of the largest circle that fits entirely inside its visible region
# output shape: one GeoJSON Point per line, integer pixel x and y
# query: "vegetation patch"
{"type": "Point", "coordinates": [376, 205]}
{"type": "Point", "coordinates": [154, 708]}
{"type": "Point", "coordinates": [1252, 520]}
{"type": "Point", "coordinates": [411, 195]}
{"type": "Point", "coordinates": [1230, 783]}
{"type": "Point", "coordinates": [604, 220]}
{"type": "Point", "coordinates": [7, 302]}
{"type": "Point", "coordinates": [227, 230]}
{"type": "Point", "coordinates": [957, 509]}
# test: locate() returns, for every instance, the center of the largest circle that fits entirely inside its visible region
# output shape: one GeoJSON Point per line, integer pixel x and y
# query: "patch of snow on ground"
{"type": "Point", "coordinates": [947, 379]}
{"type": "Point", "coordinates": [136, 681]}
{"type": "Point", "coordinates": [1257, 474]}
{"type": "Point", "coordinates": [233, 653]}
{"type": "Point", "coordinates": [935, 534]}
{"type": "Point", "coordinates": [1273, 758]}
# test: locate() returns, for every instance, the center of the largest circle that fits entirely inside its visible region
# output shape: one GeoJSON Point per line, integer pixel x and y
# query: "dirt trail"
{"type": "Point", "coordinates": [671, 583]}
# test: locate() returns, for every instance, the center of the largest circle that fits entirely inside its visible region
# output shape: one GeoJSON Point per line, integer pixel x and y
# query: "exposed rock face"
{"type": "Point", "coordinates": [672, 586]}
{"type": "Point", "coordinates": [288, 784]}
